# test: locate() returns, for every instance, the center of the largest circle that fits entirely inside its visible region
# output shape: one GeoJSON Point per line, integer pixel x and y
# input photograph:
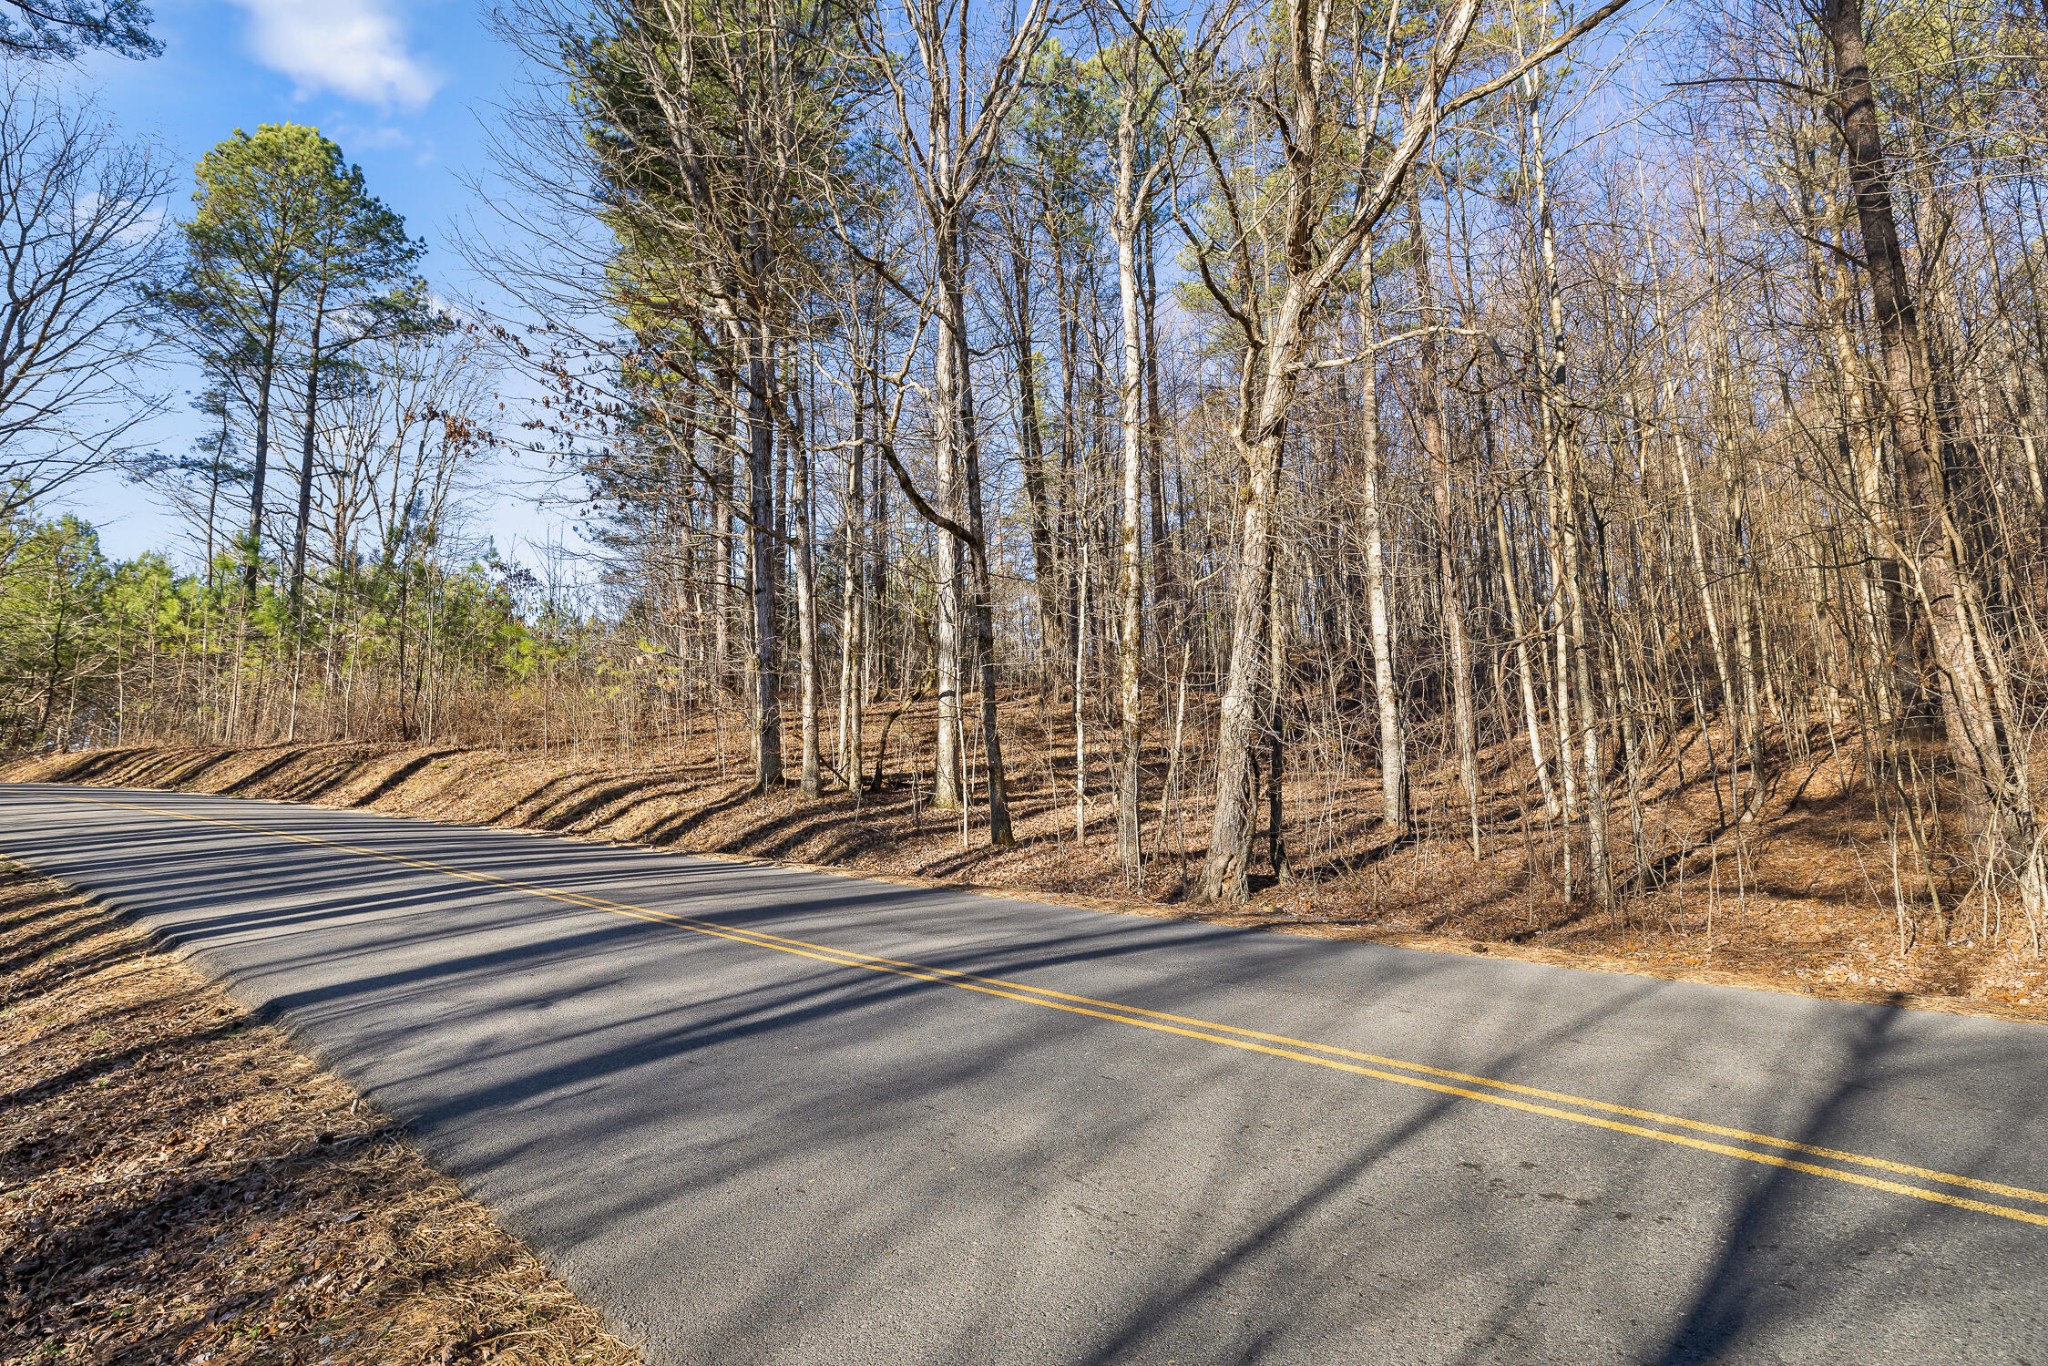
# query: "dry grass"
{"type": "Point", "coordinates": [1800, 899]}
{"type": "Point", "coordinates": [178, 1184]}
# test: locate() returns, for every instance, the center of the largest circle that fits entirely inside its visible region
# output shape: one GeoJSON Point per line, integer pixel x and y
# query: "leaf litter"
{"type": "Point", "coordinates": [179, 1184]}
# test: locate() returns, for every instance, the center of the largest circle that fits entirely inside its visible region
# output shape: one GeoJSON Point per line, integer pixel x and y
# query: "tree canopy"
{"type": "Point", "coordinates": [43, 29]}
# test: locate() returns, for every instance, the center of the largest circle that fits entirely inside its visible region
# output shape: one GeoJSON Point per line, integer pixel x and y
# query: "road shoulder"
{"type": "Point", "coordinates": [178, 1183]}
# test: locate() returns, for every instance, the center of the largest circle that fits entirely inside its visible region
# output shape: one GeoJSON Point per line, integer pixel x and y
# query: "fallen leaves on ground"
{"type": "Point", "coordinates": [179, 1184]}
{"type": "Point", "coordinates": [1802, 900]}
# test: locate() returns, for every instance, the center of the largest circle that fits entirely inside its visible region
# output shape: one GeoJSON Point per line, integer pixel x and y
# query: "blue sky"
{"type": "Point", "coordinates": [400, 84]}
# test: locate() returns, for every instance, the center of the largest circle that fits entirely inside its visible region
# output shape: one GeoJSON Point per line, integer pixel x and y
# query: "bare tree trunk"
{"type": "Point", "coordinates": [1238, 727]}
{"type": "Point", "coordinates": [853, 604]}
{"type": "Point", "coordinates": [1031, 455]}
{"type": "Point", "coordinates": [764, 666]}
{"type": "Point", "coordinates": [309, 440]}
{"type": "Point", "coordinates": [947, 785]}
{"type": "Point", "coordinates": [1964, 655]}
{"type": "Point", "coordinates": [1698, 559]}
{"type": "Point", "coordinates": [266, 376]}
{"type": "Point", "coordinates": [1269, 375]}
{"type": "Point", "coordinates": [1130, 206]}
{"type": "Point", "coordinates": [1450, 580]}
{"type": "Point", "coordinates": [724, 442]}
{"type": "Point", "coordinates": [1393, 756]}
{"type": "Point", "coordinates": [1164, 592]}
{"type": "Point", "coordinates": [1574, 659]}
{"type": "Point", "coordinates": [1591, 729]}
{"type": "Point", "coordinates": [1276, 729]}
{"type": "Point", "coordinates": [883, 671]}
{"type": "Point", "coordinates": [810, 781]}
{"type": "Point", "coordinates": [1524, 664]}
{"type": "Point", "coordinates": [1080, 704]}
{"type": "Point", "coordinates": [982, 609]}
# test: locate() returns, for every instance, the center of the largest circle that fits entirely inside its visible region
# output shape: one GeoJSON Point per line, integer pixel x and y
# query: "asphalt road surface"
{"type": "Point", "coordinates": [759, 1115]}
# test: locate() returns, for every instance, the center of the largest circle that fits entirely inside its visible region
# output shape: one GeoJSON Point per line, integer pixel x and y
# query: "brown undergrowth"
{"type": "Point", "coordinates": [178, 1184]}
{"type": "Point", "coordinates": [1802, 897]}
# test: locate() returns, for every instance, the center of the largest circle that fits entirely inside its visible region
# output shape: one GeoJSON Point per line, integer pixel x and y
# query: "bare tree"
{"type": "Point", "coordinates": [948, 129]}
{"type": "Point", "coordinates": [1276, 334]}
{"type": "Point", "coordinates": [1977, 706]}
{"type": "Point", "coordinates": [81, 237]}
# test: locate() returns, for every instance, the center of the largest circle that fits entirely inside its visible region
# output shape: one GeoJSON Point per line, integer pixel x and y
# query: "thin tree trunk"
{"type": "Point", "coordinates": [1393, 756]}
{"type": "Point", "coordinates": [1031, 455]}
{"type": "Point", "coordinates": [853, 605]}
{"type": "Point", "coordinates": [1574, 660]}
{"type": "Point", "coordinates": [1524, 664]}
{"type": "Point", "coordinates": [1450, 580]}
{"type": "Point", "coordinates": [724, 444]}
{"type": "Point", "coordinates": [947, 793]}
{"type": "Point", "coordinates": [266, 377]}
{"type": "Point", "coordinates": [1130, 565]}
{"type": "Point", "coordinates": [1164, 592]}
{"type": "Point", "coordinates": [308, 441]}
{"type": "Point", "coordinates": [764, 561]}
{"type": "Point", "coordinates": [982, 608]}
{"type": "Point", "coordinates": [1276, 729]}
{"type": "Point", "coordinates": [810, 781]}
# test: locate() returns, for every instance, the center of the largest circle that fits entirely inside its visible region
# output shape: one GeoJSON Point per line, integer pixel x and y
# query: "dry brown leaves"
{"type": "Point", "coordinates": [178, 1184]}
{"type": "Point", "coordinates": [1804, 905]}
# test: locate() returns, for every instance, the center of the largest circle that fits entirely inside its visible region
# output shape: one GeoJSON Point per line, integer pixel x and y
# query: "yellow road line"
{"type": "Point", "coordinates": [1507, 1094]}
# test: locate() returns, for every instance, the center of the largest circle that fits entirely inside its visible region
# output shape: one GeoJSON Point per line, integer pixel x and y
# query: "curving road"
{"type": "Point", "coordinates": [760, 1115]}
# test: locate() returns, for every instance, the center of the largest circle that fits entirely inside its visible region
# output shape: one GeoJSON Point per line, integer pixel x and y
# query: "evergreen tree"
{"type": "Point", "coordinates": [42, 29]}
{"type": "Point", "coordinates": [286, 232]}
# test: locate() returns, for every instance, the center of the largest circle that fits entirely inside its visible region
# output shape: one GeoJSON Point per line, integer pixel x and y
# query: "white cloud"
{"type": "Point", "coordinates": [355, 48]}
{"type": "Point", "coordinates": [383, 137]}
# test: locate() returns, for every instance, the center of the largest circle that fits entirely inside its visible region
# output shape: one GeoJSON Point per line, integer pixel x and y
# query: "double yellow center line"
{"type": "Point", "coordinates": [1835, 1164]}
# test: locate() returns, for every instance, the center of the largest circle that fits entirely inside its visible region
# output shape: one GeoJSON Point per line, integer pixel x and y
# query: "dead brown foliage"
{"type": "Point", "coordinates": [1800, 899]}
{"type": "Point", "coordinates": [178, 1184]}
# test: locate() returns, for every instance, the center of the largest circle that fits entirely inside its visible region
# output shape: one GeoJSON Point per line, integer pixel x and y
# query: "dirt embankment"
{"type": "Point", "coordinates": [1803, 899]}
{"type": "Point", "coordinates": [178, 1184]}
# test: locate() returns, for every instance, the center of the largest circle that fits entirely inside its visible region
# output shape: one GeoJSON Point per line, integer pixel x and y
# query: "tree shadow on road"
{"type": "Point", "coordinates": [634, 1095]}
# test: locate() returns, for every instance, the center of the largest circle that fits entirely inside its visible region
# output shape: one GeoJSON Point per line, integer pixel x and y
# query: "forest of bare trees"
{"type": "Point", "coordinates": [1273, 434]}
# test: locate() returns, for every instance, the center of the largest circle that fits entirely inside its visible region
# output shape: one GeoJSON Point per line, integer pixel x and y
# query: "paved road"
{"type": "Point", "coordinates": [759, 1115]}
